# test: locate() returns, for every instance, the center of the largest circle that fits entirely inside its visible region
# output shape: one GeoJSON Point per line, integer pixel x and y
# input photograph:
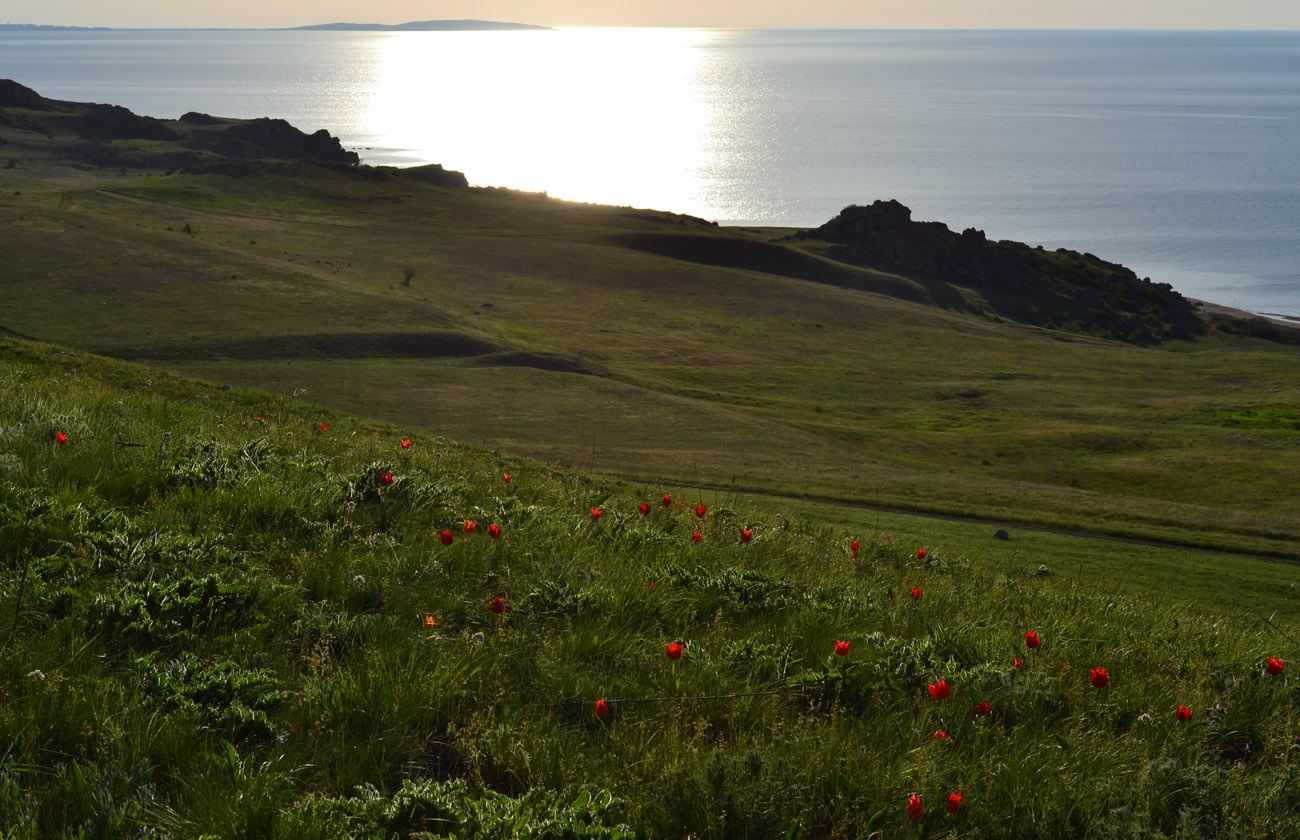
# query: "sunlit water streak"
{"type": "Point", "coordinates": [1174, 153]}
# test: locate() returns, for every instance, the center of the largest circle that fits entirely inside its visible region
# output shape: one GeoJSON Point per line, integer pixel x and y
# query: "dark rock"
{"type": "Point", "coordinates": [113, 122]}
{"type": "Point", "coordinates": [198, 118]}
{"type": "Point", "coordinates": [14, 95]}
{"type": "Point", "coordinates": [1061, 289]}
{"type": "Point", "coordinates": [273, 138]}
{"type": "Point", "coordinates": [1001, 535]}
{"type": "Point", "coordinates": [436, 175]}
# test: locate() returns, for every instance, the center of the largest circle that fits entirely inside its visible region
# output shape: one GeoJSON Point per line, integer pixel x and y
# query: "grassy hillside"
{"type": "Point", "coordinates": [635, 342]}
{"type": "Point", "coordinates": [236, 615]}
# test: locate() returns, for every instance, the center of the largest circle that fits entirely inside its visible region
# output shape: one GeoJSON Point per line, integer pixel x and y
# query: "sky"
{"type": "Point", "coordinates": [923, 14]}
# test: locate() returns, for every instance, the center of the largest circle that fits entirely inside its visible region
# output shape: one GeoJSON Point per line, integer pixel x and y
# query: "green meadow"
{"type": "Point", "coordinates": [229, 614]}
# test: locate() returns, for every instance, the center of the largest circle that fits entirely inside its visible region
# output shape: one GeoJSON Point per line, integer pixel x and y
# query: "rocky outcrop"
{"type": "Point", "coordinates": [1061, 288]}
{"type": "Point", "coordinates": [113, 122]}
{"type": "Point", "coordinates": [436, 175]}
{"type": "Point", "coordinates": [14, 95]}
{"type": "Point", "coordinates": [273, 138]}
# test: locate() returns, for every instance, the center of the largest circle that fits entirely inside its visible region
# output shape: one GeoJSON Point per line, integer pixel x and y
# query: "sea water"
{"type": "Point", "coordinates": [1175, 153]}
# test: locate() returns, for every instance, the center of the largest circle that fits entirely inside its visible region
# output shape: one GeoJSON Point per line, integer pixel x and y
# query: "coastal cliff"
{"type": "Point", "coordinates": [1062, 288]}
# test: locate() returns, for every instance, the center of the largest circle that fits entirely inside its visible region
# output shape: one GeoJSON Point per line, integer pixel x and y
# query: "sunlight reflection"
{"type": "Point", "coordinates": [606, 115]}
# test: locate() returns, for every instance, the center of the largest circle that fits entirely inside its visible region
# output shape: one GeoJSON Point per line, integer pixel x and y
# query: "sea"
{"type": "Point", "coordinates": [1176, 153]}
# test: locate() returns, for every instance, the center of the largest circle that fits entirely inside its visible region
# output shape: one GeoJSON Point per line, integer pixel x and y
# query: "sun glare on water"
{"type": "Point", "coordinates": [604, 115]}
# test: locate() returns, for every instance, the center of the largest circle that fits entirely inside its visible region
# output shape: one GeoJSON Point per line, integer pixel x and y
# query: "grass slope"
{"type": "Point", "coordinates": [218, 606]}
{"type": "Point", "coordinates": [638, 342]}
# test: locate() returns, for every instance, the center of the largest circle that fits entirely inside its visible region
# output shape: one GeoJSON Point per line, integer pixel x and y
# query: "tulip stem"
{"type": "Point", "coordinates": [18, 605]}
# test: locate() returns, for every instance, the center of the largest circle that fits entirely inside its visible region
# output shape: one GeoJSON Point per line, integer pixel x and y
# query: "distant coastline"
{"type": "Point", "coordinates": [409, 26]}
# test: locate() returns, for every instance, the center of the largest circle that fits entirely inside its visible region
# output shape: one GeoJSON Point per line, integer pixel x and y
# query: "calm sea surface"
{"type": "Point", "coordinates": [1177, 154]}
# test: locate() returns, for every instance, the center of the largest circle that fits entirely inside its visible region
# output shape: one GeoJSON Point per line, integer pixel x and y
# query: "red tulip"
{"type": "Point", "coordinates": [746, 534]}
{"type": "Point", "coordinates": [596, 513]}
{"type": "Point", "coordinates": [917, 592]}
{"type": "Point", "coordinates": [644, 508]}
{"type": "Point", "coordinates": [470, 526]}
{"type": "Point", "coordinates": [429, 622]}
{"type": "Point", "coordinates": [60, 438]}
{"type": "Point", "coordinates": [854, 545]}
{"type": "Point", "coordinates": [1099, 678]}
{"type": "Point", "coordinates": [699, 511]}
{"type": "Point", "coordinates": [674, 651]}
{"type": "Point", "coordinates": [982, 709]}
{"type": "Point", "coordinates": [696, 536]}
{"type": "Point", "coordinates": [386, 478]}
{"type": "Point", "coordinates": [494, 531]}
{"type": "Point", "coordinates": [1183, 714]}
{"type": "Point", "coordinates": [1031, 640]}
{"type": "Point", "coordinates": [668, 500]}
{"type": "Point", "coordinates": [681, 504]}
{"type": "Point", "coordinates": [940, 735]}
{"type": "Point", "coordinates": [841, 648]}
{"type": "Point", "coordinates": [940, 690]}
{"type": "Point", "coordinates": [915, 810]}
{"type": "Point", "coordinates": [602, 709]}
{"type": "Point", "coordinates": [1018, 663]}
{"type": "Point", "coordinates": [404, 443]}
{"type": "Point", "coordinates": [954, 802]}
{"type": "Point", "coordinates": [446, 538]}
{"type": "Point", "coordinates": [920, 554]}
{"type": "Point", "coordinates": [497, 606]}
{"type": "Point", "coordinates": [1275, 666]}
{"type": "Point", "coordinates": [505, 478]}
{"type": "Point", "coordinates": [320, 427]}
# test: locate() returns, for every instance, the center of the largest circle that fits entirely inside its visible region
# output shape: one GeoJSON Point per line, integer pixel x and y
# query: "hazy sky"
{"type": "Point", "coordinates": [957, 14]}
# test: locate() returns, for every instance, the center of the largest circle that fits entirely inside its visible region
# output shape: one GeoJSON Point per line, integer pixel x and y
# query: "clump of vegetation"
{"type": "Point", "coordinates": [244, 616]}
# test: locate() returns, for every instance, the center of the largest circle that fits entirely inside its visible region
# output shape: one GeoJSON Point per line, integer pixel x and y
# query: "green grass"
{"type": "Point", "coordinates": [218, 626]}
{"type": "Point", "coordinates": [639, 343]}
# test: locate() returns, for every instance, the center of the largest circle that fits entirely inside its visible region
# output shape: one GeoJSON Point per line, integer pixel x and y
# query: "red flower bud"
{"type": "Point", "coordinates": [1275, 666]}
{"type": "Point", "coordinates": [470, 526]}
{"type": "Point", "coordinates": [920, 554]}
{"type": "Point", "coordinates": [1183, 713]}
{"type": "Point", "coordinates": [596, 513]}
{"type": "Point", "coordinates": [404, 443]}
{"type": "Point", "coordinates": [1031, 640]}
{"type": "Point", "coordinates": [915, 810]}
{"type": "Point", "coordinates": [940, 735]}
{"type": "Point", "coordinates": [505, 478]}
{"type": "Point", "coordinates": [917, 592]}
{"type": "Point", "coordinates": [854, 545]}
{"type": "Point", "coordinates": [696, 536]}
{"type": "Point", "coordinates": [445, 537]}
{"type": "Point", "coordinates": [668, 500]}
{"type": "Point", "coordinates": [386, 478]}
{"type": "Point", "coordinates": [1018, 664]}
{"type": "Point", "coordinates": [699, 511]}
{"type": "Point", "coordinates": [494, 531]}
{"type": "Point", "coordinates": [602, 709]}
{"type": "Point", "coordinates": [644, 508]}
{"type": "Point", "coordinates": [674, 651]}
{"type": "Point", "coordinates": [841, 648]}
{"type": "Point", "coordinates": [429, 622]}
{"type": "Point", "coordinates": [939, 690]}
{"type": "Point", "coordinates": [1099, 678]}
{"type": "Point", "coordinates": [497, 606]}
{"type": "Point", "coordinates": [746, 534]}
{"type": "Point", "coordinates": [60, 438]}
{"type": "Point", "coordinates": [982, 709]}
{"type": "Point", "coordinates": [954, 802]}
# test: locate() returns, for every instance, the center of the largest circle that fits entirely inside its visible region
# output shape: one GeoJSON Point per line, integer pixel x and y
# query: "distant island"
{"type": "Point", "coordinates": [30, 27]}
{"type": "Point", "coordinates": [421, 26]}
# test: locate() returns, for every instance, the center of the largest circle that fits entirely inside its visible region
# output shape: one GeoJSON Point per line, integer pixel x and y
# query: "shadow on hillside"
{"type": "Point", "coordinates": [772, 258]}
